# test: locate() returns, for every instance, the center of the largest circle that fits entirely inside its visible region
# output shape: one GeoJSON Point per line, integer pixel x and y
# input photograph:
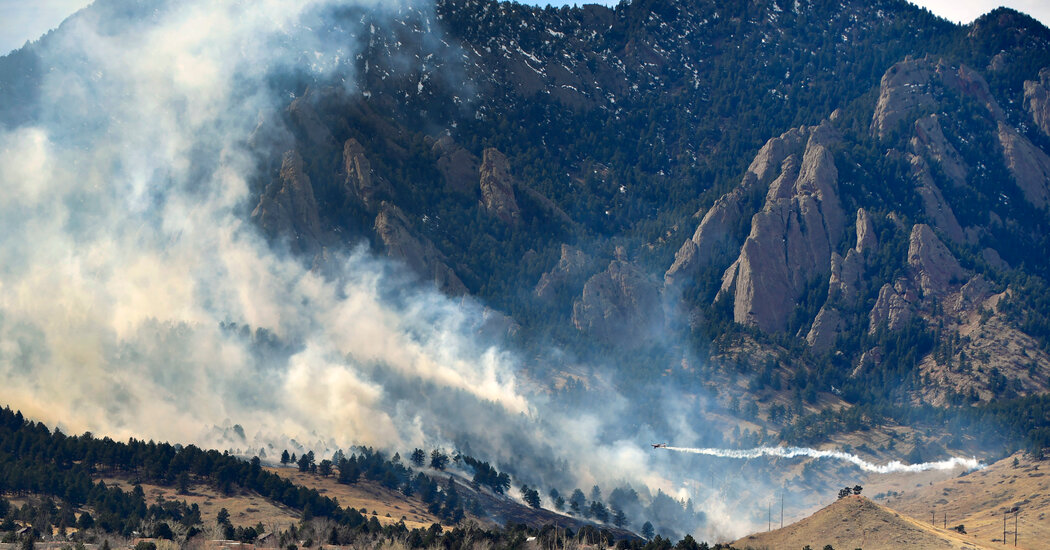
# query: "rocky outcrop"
{"type": "Point", "coordinates": [403, 243]}
{"type": "Point", "coordinates": [1028, 164]}
{"type": "Point", "coordinates": [934, 267]}
{"type": "Point", "coordinates": [572, 266]}
{"type": "Point", "coordinates": [360, 182]}
{"type": "Point", "coordinates": [929, 142]}
{"type": "Point", "coordinates": [1037, 100]}
{"type": "Point", "coordinates": [288, 207]}
{"type": "Point", "coordinates": [791, 240]}
{"type": "Point", "coordinates": [723, 227]}
{"type": "Point", "coordinates": [845, 285]}
{"type": "Point", "coordinates": [894, 307]}
{"type": "Point", "coordinates": [866, 240]}
{"type": "Point", "coordinates": [903, 88]}
{"type": "Point", "coordinates": [910, 85]}
{"type": "Point", "coordinates": [497, 188]}
{"type": "Point", "coordinates": [459, 167]}
{"type": "Point", "coordinates": [933, 202]}
{"type": "Point", "coordinates": [619, 305]}
{"type": "Point", "coordinates": [826, 328]}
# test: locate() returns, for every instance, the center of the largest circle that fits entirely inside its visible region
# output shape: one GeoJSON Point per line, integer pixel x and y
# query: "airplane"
{"type": "Point", "coordinates": [659, 445]}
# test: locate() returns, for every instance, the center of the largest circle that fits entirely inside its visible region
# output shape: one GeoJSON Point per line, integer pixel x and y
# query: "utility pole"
{"type": "Point", "coordinates": [1004, 526]}
{"type": "Point", "coordinates": [781, 508]}
{"type": "Point", "coordinates": [933, 518]}
{"type": "Point", "coordinates": [1016, 511]}
{"type": "Point", "coordinates": [769, 516]}
{"type": "Point", "coordinates": [946, 519]}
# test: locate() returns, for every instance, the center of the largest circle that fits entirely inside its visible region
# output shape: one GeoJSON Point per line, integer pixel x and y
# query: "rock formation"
{"type": "Point", "coordinates": [934, 267]}
{"type": "Point", "coordinates": [400, 241]}
{"type": "Point", "coordinates": [619, 305]}
{"type": "Point", "coordinates": [909, 86]}
{"type": "Point", "coordinates": [1028, 164]}
{"type": "Point", "coordinates": [791, 240]}
{"type": "Point", "coordinates": [497, 188]}
{"type": "Point", "coordinates": [308, 122]}
{"type": "Point", "coordinates": [933, 202]}
{"type": "Point", "coordinates": [904, 87]}
{"type": "Point", "coordinates": [360, 181]}
{"type": "Point", "coordinates": [288, 207]}
{"type": "Point", "coordinates": [894, 307]}
{"type": "Point", "coordinates": [723, 227]}
{"type": "Point", "coordinates": [573, 265]}
{"type": "Point", "coordinates": [1037, 100]}
{"type": "Point", "coordinates": [845, 285]}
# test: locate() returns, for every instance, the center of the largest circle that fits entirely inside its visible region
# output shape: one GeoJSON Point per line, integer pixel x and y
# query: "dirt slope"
{"type": "Point", "coordinates": [856, 522]}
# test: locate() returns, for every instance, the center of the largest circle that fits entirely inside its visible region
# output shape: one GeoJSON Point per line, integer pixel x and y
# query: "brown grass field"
{"type": "Point", "coordinates": [856, 522]}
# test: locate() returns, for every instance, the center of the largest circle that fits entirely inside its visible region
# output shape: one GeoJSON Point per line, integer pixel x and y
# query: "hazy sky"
{"type": "Point", "coordinates": [22, 20]}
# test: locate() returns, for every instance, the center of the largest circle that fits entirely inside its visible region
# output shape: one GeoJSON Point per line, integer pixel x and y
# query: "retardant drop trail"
{"type": "Point", "coordinates": [792, 452]}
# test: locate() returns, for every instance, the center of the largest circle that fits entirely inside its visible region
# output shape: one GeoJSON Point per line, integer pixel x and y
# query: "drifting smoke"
{"type": "Point", "coordinates": [891, 467]}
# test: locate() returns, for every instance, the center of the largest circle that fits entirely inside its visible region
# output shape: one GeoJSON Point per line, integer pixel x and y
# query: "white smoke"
{"type": "Point", "coordinates": [894, 466]}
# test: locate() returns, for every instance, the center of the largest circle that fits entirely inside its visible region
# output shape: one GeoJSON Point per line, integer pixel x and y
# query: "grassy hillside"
{"type": "Point", "coordinates": [856, 522]}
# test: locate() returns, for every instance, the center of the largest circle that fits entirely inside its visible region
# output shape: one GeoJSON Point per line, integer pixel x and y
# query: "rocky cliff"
{"type": "Point", "coordinates": [288, 207]}
{"type": "Point", "coordinates": [401, 242]}
{"type": "Point", "coordinates": [360, 182]}
{"type": "Point", "coordinates": [497, 188]}
{"type": "Point", "coordinates": [791, 240]}
{"type": "Point", "coordinates": [1037, 100]}
{"type": "Point", "coordinates": [620, 305]}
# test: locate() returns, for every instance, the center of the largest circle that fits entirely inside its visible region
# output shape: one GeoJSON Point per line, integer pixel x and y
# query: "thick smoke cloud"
{"type": "Point", "coordinates": [127, 254]}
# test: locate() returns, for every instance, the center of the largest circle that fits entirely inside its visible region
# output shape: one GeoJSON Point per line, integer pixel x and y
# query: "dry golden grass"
{"type": "Point", "coordinates": [856, 522]}
{"type": "Point", "coordinates": [978, 500]}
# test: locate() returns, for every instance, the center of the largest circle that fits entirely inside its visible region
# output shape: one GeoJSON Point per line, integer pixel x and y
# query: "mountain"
{"type": "Point", "coordinates": [867, 211]}
{"type": "Point", "coordinates": [529, 233]}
